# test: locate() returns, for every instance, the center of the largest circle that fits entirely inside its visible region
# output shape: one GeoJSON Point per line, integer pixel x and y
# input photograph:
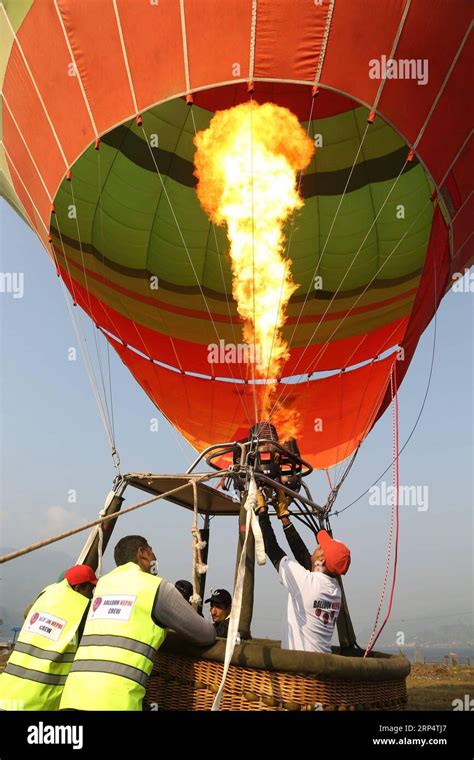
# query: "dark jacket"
{"type": "Point", "coordinates": [222, 628]}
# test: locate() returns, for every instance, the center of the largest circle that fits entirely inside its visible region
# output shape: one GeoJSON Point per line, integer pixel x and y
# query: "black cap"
{"type": "Point", "coordinates": [220, 598]}
{"type": "Point", "coordinates": [185, 588]}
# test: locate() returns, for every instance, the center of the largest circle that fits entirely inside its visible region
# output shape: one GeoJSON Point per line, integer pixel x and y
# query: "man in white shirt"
{"type": "Point", "coordinates": [314, 594]}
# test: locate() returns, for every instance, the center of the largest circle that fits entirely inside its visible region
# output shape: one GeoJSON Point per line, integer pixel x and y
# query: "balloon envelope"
{"type": "Point", "coordinates": [373, 249]}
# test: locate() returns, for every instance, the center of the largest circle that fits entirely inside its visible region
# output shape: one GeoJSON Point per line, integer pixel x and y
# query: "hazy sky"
{"type": "Point", "coordinates": [53, 443]}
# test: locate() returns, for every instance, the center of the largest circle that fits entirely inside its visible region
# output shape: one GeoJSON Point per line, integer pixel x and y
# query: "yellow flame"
{"type": "Point", "coordinates": [246, 164]}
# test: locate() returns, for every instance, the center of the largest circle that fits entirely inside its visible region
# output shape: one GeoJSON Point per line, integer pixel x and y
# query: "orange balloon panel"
{"type": "Point", "coordinates": [211, 411]}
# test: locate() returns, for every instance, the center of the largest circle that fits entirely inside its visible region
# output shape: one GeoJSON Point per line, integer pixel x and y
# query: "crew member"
{"type": "Point", "coordinates": [36, 672]}
{"type": "Point", "coordinates": [314, 594]}
{"type": "Point", "coordinates": [221, 603]}
{"type": "Point", "coordinates": [127, 623]}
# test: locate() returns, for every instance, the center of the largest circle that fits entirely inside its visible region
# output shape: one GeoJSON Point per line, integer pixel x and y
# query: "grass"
{"type": "Point", "coordinates": [435, 687]}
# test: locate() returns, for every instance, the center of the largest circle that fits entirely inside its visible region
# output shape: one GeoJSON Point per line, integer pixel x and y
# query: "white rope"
{"type": "Point", "coordinates": [26, 191]}
{"type": "Point", "coordinates": [125, 57]}
{"type": "Point", "coordinates": [379, 269]}
{"type": "Point", "coordinates": [49, 195]}
{"type": "Point", "coordinates": [278, 400]}
{"type": "Point", "coordinates": [108, 500]}
{"type": "Point", "coordinates": [35, 87]}
{"type": "Point", "coordinates": [443, 86]}
{"type": "Point", "coordinates": [324, 347]}
{"type": "Point", "coordinates": [76, 70]}
{"type": "Point", "coordinates": [324, 43]}
{"type": "Point", "coordinates": [253, 34]}
{"type": "Point", "coordinates": [107, 317]}
{"type": "Point", "coordinates": [27, 150]}
{"type": "Point", "coordinates": [185, 45]}
{"type": "Point", "coordinates": [92, 377]}
{"type": "Point", "coordinates": [243, 400]}
{"type": "Point", "coordinates": [392, 53]}
{"type": "Point", "coordinates": [250, 504]}
{"type": "Point", "coordinates": [51, 201]}
{"type": "Point", "coordinates": [198, 567]}
{"type": "Point", "coordinates": [461, 206]}
{"type": "Point", "coordinates": [288, 249]}
{"type": "Point", "coordinates": [329, 235]}
{"type": "Point", "coordinates": [180, 232]}
{"type": "Point", "coordinates": [89, 369]}
{"type": "Point", "coordinates": [66, 534]}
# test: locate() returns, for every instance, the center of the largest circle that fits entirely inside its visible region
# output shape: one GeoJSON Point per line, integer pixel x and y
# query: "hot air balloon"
{"type": "Point", "coordinates": [101, 125]}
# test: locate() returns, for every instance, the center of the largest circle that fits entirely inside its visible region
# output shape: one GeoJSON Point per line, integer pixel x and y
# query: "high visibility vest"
{"type": "Point", "coordinates": [118, 647]}
{"type": "Point", "coordinates": [36, 672]}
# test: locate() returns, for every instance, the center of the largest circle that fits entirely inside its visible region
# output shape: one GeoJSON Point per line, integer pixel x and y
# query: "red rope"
{"type": "Point", "coordinates": [329, 478]}
{"type": "Point", "coordinates": [394, 512]}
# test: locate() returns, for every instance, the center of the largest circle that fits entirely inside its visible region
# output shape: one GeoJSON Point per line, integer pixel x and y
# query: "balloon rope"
{"type": "Point", "coordinates": [308, 343]}
{"type": "Point", "coordinates": [224, 287]}
{"type": "Point", "coordinates": [81, 339]}
{"type": "Point", "coordinates": [428, 385]}
{"type": "Point", "coordinates": [66, 534]}
{"type": "Point", "coordinates": [193, 268]}
{"type": "Point", "coordinates": [288, 248]}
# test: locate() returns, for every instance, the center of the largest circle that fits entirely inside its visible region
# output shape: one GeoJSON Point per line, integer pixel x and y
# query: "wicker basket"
{"type": "Point", "coordinates": [186, 678]}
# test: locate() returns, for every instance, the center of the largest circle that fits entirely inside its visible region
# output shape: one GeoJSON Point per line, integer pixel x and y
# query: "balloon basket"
{"type": "Point", "coordinates": [262, 676]}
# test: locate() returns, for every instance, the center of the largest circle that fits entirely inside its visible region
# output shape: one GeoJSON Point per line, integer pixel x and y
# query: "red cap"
{"type": "Point", "coordinates": [80, 574]}
{"type": "Point", "coordinates": [336, 554]}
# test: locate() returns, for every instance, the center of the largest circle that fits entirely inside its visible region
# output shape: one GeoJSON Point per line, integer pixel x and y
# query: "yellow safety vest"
{"type": "Point", "coordinates": [117, 650]}
{"type": "Point", "coordinates": [44, 651]}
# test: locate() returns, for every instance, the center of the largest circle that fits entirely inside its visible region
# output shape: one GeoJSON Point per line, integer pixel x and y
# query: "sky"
{"type": "Point", "coordinates": [56, 467]}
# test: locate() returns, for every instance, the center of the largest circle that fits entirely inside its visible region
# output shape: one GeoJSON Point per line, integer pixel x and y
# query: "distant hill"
{"type": "Point", "coordinates": [446, 635]}
{"type": "Point", "coordinates": [23, 578]}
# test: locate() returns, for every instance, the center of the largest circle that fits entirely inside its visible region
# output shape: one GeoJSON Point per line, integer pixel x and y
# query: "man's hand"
{"type": "Point", "coordinates": [281, 507]}
{"type": "Point", "coordinates": [261, 503]}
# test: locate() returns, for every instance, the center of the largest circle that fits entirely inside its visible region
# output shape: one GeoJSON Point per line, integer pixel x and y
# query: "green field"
{"type": "Point", "coordinates": [435, 687]}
